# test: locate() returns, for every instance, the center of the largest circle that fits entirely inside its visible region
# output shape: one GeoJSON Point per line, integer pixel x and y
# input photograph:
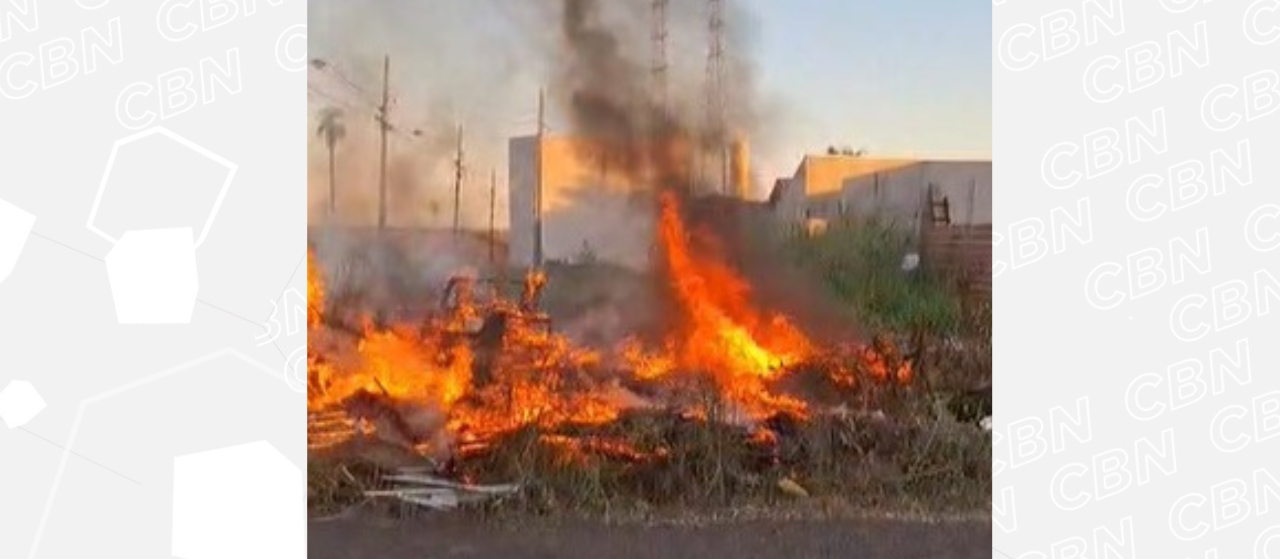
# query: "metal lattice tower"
{"type": "Point", "coordinates": [716, 121]}
{"type": "Point", "coordinates": [659, 69]}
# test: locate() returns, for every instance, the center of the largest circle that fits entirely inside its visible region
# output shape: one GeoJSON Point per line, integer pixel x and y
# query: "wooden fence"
{"type": "Point", "coordinates": [962, 252]}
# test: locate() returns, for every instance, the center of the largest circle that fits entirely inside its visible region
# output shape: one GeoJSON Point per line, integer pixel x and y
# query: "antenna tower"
{"type": "Point", "coordinates": [716, 127]}
{"type": "Point", "coordinates": [659, 68]}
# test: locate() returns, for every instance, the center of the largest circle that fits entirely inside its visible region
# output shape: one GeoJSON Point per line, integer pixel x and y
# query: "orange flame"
{"type": "Point", "coordinates": [529, 375]}
{"type": "Point", "coordinates": [315, 291]}
{"type": "Point", "coordinates": [723, 335]}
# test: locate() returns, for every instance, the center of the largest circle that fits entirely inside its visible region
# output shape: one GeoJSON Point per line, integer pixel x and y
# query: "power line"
{"type": "Point", "coordinates": [412, 133]}
{"type": "Point", "coordinates": [324, 65]}
{"type": "Point", "coordinates": [335, 99]}
{"type": "Point", "coordinates": [359, 90]}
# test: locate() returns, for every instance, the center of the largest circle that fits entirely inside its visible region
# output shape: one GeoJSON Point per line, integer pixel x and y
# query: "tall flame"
{"type": "Point", "coordinates": [315, 291]}
{"type": "Point", "coordinates": [721, 333]}
{"type": "Point", "coordinates": [527, 374]}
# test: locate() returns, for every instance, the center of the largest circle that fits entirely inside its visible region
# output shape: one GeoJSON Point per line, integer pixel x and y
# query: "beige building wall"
{"type": "Point", "coordinates": [900, 194]}
{"type": "Point", "coordinates": [589, 203]}
{"type": "Point", "coordinates": [822, 176]}
{"type": "Point", "coordinates": [828, 188]}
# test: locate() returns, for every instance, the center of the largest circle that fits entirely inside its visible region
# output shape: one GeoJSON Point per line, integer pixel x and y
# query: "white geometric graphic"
{"type": "Point", "coordinates": [122, 157]}
{"type": "Point", "coordinates": [19, 403]}
{"type": "Point", "coordinates": [231, 502]}
{"type": "Point", "coordinates": [153, 276]}
{"type": "Point", "coordinates": [15, 227]}
{"type": "Point", "coordinates": [111, 161]}
{"type": "Point", "coordinates": [153, 272]}
{"type": "Point", "coordinates": [84, 405]}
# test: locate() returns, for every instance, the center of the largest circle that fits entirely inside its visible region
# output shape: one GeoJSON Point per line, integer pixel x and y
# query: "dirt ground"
{"type": "Point", "coordinates": [449, 537]}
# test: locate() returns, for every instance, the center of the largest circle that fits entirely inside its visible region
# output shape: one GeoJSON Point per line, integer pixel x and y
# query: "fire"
{"type": "Point", "coordinates": [408, 366]}
{"type": "Point", "coordinates": [397, 363]}
{"type": "Point", "coordinates": [721, 334]}
{"type": "Point", "coordinates": [315, 291]}
{"type": "Point", "coordinates": [535, 379]}
{"type": "Point", "coordinates": [402, 365]}
{"type": "Point", "coordinates": [490, 366]}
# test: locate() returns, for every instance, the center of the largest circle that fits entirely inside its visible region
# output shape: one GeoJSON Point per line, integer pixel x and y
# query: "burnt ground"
{"type": "Point", "coordinates": [451, 536]}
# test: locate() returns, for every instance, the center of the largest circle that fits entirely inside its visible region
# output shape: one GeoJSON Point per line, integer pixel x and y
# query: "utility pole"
{"type": "Point", "coordinates": [537, 188]}
{"type": "Point", "coordinates": [457, 187]}
{"type": "Point", "coordinates": [493, 188]}
{"type": "Point", "coordinates": [385, 125]}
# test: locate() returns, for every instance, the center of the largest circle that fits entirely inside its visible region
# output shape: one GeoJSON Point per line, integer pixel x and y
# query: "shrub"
{"type": "Point", "coordinates": [862, 264]}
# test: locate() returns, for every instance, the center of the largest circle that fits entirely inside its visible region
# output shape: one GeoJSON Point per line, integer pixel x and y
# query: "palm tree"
{"type": "Point", "coordinates": [332, 129]}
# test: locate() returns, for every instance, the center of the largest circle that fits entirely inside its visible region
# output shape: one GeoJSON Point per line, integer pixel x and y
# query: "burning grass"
{"type": "Point", "coordinates": [682, 462]}
{"type": "Point", "coordinates": [730, 404]}
{"type": "Point", "coordinates": [914, 458]}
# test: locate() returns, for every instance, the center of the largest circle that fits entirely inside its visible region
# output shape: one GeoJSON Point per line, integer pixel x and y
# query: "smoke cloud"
{"type": "Point", "coordinates": [480, 63]}
{"type": "Point", "coordinates": [610, 95]}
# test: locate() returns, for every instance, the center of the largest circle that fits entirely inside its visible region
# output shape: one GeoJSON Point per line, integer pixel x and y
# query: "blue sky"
{"type": "Point", "coordinates": [895, 77]}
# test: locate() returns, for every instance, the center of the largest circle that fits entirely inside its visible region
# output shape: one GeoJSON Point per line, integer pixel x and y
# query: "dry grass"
{"type": "Point", "coordinates": [896, 449]}
{"type": "Point", "coordinates": [912, 457]}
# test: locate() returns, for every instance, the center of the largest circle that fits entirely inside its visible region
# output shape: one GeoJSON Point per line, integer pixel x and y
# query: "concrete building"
{"type": "Point", "coordinates": [591, 204]}
{"type": "Point", "coordinates": [827, 188]}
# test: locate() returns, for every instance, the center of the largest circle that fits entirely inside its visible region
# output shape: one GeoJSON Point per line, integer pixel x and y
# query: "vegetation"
{"type": "Point", "coordinates": [917, 460]}
{"type": "Point", "coordinates": [333, 131]}
{"type": "Point", "coordinates": [862, 265]}
{"type": "Point", "coordinates": [913, 458]}
{"type": "Point", "coordinates": [893, 447]}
